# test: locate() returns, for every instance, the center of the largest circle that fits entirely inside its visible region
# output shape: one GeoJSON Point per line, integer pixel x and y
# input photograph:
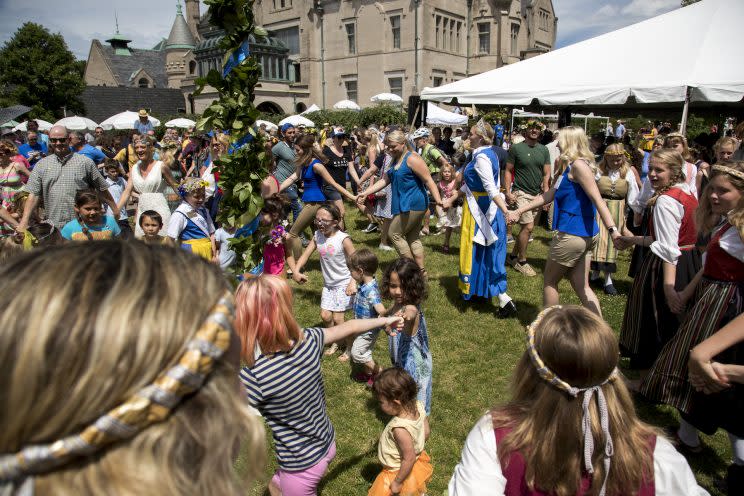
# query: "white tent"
{"type": "Point", "coordinates": [269, 125]}
{"type": "Point", "coordinates": [43, 125]}
{"type": "Point", "coordinates": [611, 68]}
{"type": "Point", "coordinates": [76, 123]}
{"type": "Point", "coordinates": [125, 120]}
{"type": "Point", "coordinates": [437, 116]}
{"type": "Point", "coordinates": [181, 122]}
{"type": "Point", "coordinates": [346, 105]}
{"type": "Point", "coordinates": [310, 109]}
{"type": "Point", "coordinates": [297, 120]}
{"type": "Point", "coordinates": [386, 98]}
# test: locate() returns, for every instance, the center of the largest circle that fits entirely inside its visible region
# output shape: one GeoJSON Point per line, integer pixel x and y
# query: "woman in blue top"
{"type": "Point", "coordinates": [409, 178]}
{"type": "Point", "coordinates": [577, 201]}
{"type": "Point", "coordinates": [314, 175]}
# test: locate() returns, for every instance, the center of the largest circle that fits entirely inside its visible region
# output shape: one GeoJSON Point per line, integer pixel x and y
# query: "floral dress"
{"type": "Point", "coordinates": [413, 355]}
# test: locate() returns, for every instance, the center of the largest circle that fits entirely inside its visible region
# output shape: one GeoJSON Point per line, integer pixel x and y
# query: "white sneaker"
{"type": "Point", "coordinates": [386, 247]}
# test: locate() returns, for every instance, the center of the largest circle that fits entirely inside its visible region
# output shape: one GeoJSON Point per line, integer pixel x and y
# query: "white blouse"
{"type": "Point", "coordinates": [668, 214]}
{"type": "Point", "coordinates": [731, 243]}
{"type": "Point", "coordinates": [633, 192]}
{"type": "Point", "coordinates": [479, 470]}
{"type": "Point", "coordinates": [484, 169]}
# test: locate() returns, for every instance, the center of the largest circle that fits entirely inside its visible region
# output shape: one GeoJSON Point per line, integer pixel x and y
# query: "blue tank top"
{"type": "Point", "coordinates": [407, 189]}
{"type": "Point", "coordinates": [312, 184]}
{"type": "Point", "coordinates": [471, 177]}
{"type": "Point", "coordinates": [574, 213]}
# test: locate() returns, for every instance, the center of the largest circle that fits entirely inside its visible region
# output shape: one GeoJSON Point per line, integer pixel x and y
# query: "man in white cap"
{"type": "Point", "coordinates": [143, 124]}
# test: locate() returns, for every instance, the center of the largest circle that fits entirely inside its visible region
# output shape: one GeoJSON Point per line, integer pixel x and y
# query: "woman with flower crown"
{"type": "Point", "coordinates": [570, 427]}
{"type": "Point", "coordinates": [618, 187]}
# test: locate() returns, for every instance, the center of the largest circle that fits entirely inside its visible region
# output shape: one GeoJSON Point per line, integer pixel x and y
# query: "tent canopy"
{"type": "Point", "coordinates": [43, 125]}
{"type": "Point", "coordinates": [346, 105]}
{"type": "Point", "coordinates": [386, 97]}
{"type": "Point", "coordinates": [312, 108]}
{"type": "Point", "coordinates": [297, 120]}
{"type": "Point", "coordinates": [701, 57]}
{"type": "Point", "coordinates": [437, 116]}
{"type": "Point", "coordinates": [77, 123]}
{"type": "Point", "coordinates": [125, 120]}
{"type": "Point", "coordinates": [181, 122]}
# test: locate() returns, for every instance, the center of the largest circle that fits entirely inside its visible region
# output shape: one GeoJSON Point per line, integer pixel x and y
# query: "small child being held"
{"type": "Point", "coordinates": [409, 349]}
{"type": "Point", "coordinates": [151, 223]}
{"type": "Point", "coordinates": [90, 223]}
{"type": "Point", "coordinates": [191, 226]}
{"type": "Point", "coordinates": [367, 305]}
{"type": "Point", "coordinates": [406, 466]}
{"type": "Point", "coordinates": [222, 239]}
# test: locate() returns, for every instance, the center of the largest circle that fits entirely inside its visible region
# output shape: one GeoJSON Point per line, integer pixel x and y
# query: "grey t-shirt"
{"type": "Point", "coordinates": [285, 157]}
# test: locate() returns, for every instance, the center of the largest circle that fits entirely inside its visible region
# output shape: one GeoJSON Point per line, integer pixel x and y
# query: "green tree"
{"type": "Point", "coordinates": [38, 70]}
{"type": "Point", "coordinates": [242, 170]}
{"type": "Point", "coordinates": [685, 3]}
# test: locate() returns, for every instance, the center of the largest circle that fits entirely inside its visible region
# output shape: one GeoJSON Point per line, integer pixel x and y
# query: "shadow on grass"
{"type": "Point", "coordinates": [526, 310]}
{"type": "Point", "coordinates": [347, 464]}
{"type": "Point", "coordinates": [373, 405]}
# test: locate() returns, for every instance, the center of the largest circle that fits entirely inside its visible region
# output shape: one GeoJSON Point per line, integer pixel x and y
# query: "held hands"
{"type": "Point", "coordinates": [510, 198]}
{"type": "Point", "coordinates": [395, 487]}
{"type": "Point", "coordinates": [622, 242]}
{"type": "Point", "coordinates": [706, 376]}
{"type": "Point", "coordinates": [513, 217]}
{"type": "Point", "coordinates": [394, 324]}
{"type": "Point", "coordinates": [298, 277]}
{"type": "Point", "coordinates": [351, 289]}
{"type": "Point", "coordinates": [674, 300]}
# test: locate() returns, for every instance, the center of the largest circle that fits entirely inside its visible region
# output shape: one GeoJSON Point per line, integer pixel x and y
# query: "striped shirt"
{"type": "Point", "coordinates": [287, 388]}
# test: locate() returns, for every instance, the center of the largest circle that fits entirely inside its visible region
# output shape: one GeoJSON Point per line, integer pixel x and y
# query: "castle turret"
{"type": "Point", "coordinates": [193, 17]}
{"type": "Point", "coordinates": [178, 47]}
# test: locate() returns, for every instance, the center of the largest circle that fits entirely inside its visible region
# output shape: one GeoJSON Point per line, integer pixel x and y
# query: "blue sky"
{"type": "Point", "coordinates": [147, 21]}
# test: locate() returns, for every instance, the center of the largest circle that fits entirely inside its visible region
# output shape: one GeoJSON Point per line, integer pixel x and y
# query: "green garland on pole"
{"type": "Point", "coordinates": [243, 169]}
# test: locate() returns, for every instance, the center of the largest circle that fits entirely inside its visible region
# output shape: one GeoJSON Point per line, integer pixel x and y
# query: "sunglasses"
{"type": "Point", "coordinates": [57, 140]}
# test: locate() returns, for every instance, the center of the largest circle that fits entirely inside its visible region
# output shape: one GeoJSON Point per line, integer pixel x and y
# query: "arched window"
{"type": "Point", "coordinates": [192, 68]}
{"type": "Point", "coordinates": [143, 83]}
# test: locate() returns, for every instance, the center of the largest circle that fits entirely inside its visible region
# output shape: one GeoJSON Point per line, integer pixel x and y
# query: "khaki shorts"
{"type": "Point", "coordinates": [523, 199]}
{"type": "Point", "coordinates": [569, 250]}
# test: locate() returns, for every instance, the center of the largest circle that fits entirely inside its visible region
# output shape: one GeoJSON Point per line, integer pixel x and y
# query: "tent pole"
{"type": "Point", "coordinates": [685, 109]}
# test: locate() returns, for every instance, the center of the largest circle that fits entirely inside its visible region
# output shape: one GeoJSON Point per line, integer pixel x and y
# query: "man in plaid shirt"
{"type": "Point", "coordinates": [56, 178]}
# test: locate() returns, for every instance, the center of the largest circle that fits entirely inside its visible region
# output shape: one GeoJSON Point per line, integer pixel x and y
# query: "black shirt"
{"type": "Point", "coordinates": [337, 166]}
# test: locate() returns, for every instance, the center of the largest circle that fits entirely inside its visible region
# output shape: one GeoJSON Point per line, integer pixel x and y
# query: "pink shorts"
{"type": "Point", "coordinates": [304, 482]}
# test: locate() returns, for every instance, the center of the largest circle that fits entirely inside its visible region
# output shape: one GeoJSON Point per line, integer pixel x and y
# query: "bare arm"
{"type": "Point", "coordinates": [672, 296]}
{"type": "Point", "coordinates": [30, 206]}
{"type": "Point", "coordinates": [8, 219]}
{"type": "Point", "coordinates": [21, 169]}
{"type": "Point", "coordinates": [358, 326]}
{"type": "Point", "coordinates": [288, 182]}
{"type": "Point", "coordinates": [418, 166]}
{"type": "Point", "coordinates": [348, 245]}
{"type": "Point", "coordinates": [546, 177]}
{"type": "Point", "coordinates": [303, 259]}
{"type": "Point", "coordinates": [377, 186]}
{"type": "Point", "coordinates": [323, 172]}
{"type": "Point", "coordinates": [165, 170]}
{"type": "Point", "coordinates": [407, 458]}
{"type": "Point", "coordinates": [353, 173]}
{"type": "Point", "coordinates": [109, 200]}
{"type": "Point", "coordinates": [126, 194]}
{"type": "Point", "coordinates": [582, 174]}
{"type": "Point", "coordinates": [371, 171]}
{"type": "Point", "coordinates": [704, 375]}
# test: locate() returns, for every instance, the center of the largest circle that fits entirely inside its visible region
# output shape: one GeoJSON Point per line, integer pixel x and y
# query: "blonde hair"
{"type": "Point", "coordinates": [614, 149]}
{"type": "Point", "coordinates": [545, 422]}
{"type": "Point", "coordinates": [726, 140]}
{"type": "Point", "coordinates": [675, 162]}
{"type": "Point", "coordinates": [574, 145]}
{"type": "Point", "coordinates": [116, 317]}
{"type": "Point", "coordinates": [485, 131]}
{"type": "Point", "coordinates": [399, 136]}
{"type": "Point", "coordinates": [674, 139]}
{"type": "Point", "coordinates": [705, 219]}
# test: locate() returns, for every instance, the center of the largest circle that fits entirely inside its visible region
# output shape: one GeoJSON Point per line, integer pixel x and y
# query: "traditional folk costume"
{"type": "Point", "coordinates": [719, 300]}
{"type": "Point", "coordinates": [483, 230]}
{"type": "Point", "coordinates": [617, 192]}
{"type": "Point", "coordinates": [649, 323]}
{"type": "Point", "coordinates": [192, 228]}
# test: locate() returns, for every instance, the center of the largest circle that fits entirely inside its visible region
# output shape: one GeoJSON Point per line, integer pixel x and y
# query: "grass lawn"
{"type": "Point", "coordinates": [474, 354]}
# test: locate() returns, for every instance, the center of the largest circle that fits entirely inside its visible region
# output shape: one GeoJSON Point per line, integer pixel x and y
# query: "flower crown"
{"type": "Point", "coordinates": [532, 123]}
{"type": "Point", "coordinates": [190, 185]}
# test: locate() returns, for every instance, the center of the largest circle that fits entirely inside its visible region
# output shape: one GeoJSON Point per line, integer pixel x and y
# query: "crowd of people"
{"type": "Point", "coordinates": [171, 368]}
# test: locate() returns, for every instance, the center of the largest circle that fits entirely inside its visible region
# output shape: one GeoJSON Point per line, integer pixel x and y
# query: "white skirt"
{"type": "Point", "coordinates": [335, 299]}
{"type": "Point", "coordinates": [452, 217]}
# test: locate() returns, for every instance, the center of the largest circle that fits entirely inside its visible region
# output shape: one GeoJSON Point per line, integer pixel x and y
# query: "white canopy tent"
{"type": "Point", "coordinates": [125, 120]}
{"type": "Point", "coordinates": [269, 125]}
{"type": "Point", "coordinates": [437, 116]}
{"type": "Point", "coordinates": [181, 122]}
{"type": "Point", "coordinates": [386, 98]}
{"type": "Point", "coordinates": [346, 105]}
{"type": "Point", "coordinates": [310, 109]}
{"type": "Point", "coordinates": [43, 125]}
{"type": "Point", "coordinates": [77, 123]}
{"type": "Point", "coordinates": [297, 120]}
{"type": "Point", "coordinates": [699, 68]}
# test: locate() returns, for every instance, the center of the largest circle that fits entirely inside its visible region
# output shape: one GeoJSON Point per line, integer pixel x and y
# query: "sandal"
{"type": "Point", "coordinates": [331, 350]}
{"type": "Point", "coordinates": [344, 357]}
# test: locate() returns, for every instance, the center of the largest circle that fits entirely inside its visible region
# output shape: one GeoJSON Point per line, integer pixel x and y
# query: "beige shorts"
{"type": "Point", "coordinates": [569, 250]}
{"type": "Point", "coordinates": [523, 199]}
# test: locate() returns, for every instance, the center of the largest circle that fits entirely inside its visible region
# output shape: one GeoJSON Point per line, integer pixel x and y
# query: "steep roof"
{"type": "Point", "coordinates": [153, 62]}
{"type": "Point", "coordinates": [101, 102]}
{"type": "Point", "coordinates": [180, 35]}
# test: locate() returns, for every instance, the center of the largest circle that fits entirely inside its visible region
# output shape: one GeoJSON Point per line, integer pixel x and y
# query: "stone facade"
{"type": "Point", "coordinates": [323, 51]}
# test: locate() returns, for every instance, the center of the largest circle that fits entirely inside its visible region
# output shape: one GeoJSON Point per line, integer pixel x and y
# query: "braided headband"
{"type": "Point", "coordinates": [150, 405]}
{"type": "Point", "coordinates": [729, 170]}
{"type": "Point", "coordinates": [551, 377]}
{"type": "Point", "coordinates": [481, 125]}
